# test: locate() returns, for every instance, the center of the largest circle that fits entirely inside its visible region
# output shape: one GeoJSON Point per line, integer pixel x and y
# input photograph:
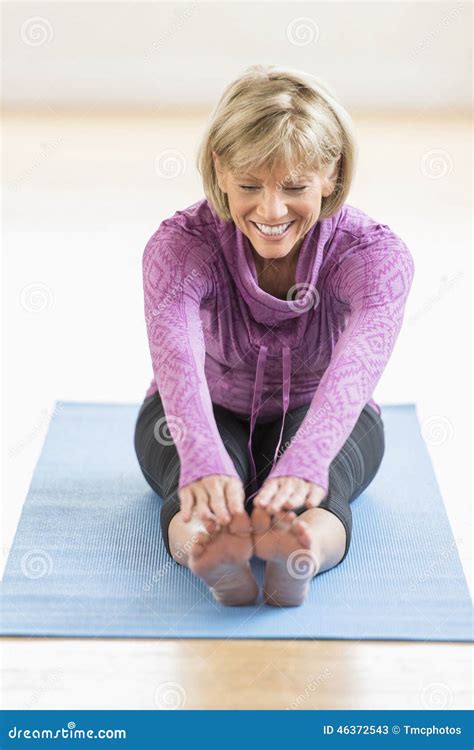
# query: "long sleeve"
{"type": "Point", "coordinates": [176, 278]}
{"type": "Point", "coordinates": [373, 278]}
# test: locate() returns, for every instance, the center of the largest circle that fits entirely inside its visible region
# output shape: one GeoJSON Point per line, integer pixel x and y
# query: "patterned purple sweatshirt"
{"type": "Point", "coordinates": [216, 337]}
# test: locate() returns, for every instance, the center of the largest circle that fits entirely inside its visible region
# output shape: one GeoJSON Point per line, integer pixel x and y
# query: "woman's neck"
{"type": "Point", "coordinates": [287, 263]}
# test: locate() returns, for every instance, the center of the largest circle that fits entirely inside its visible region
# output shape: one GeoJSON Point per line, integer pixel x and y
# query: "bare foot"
{"type": "Point", "coordinates": [220, 556]}
{"type": "Point", "coordinates": [289, 548]}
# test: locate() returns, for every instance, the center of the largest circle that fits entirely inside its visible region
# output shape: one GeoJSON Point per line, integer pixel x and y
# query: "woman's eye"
{"type": "Point", "coordinates": [291, 189]}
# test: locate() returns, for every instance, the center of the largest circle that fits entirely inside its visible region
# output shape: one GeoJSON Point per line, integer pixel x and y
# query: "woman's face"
{"type": "Point", "coordinates": [274, 211]}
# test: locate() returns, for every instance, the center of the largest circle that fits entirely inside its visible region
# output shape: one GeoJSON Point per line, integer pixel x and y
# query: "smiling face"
{"type": "Point", "coordinates": [275, 211]}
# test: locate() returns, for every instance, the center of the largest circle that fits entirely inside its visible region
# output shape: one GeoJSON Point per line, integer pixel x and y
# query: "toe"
{"type": "Point", "coordinates": [240, 524]}
{"type": "Point", "coordinates": [261, 520]}
{"type": "Point", "coordinates": [211, 526]}
{"type": "Point", "coordinates": [283, 518]}
{"type": "Point", "coordinates": [301, 531]}
{"type": "Point", "coordinates": [197, 550]}
{"type": "Point", "coordinates": [203, 538]}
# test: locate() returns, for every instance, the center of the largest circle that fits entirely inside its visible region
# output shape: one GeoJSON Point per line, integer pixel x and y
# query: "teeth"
{"type": "Point", "coordinates": [281, 229]}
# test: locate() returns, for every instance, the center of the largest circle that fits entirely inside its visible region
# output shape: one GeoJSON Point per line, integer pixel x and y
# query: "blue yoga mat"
{"type": "Point", "coordinates": [88, 559]}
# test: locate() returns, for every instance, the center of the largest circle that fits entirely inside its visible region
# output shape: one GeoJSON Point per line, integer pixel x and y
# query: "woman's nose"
{"type": "Point", "coordinates": [272, 207]}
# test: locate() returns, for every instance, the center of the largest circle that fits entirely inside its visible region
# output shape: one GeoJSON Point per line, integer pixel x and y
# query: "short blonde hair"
{"type": "Point", "coordinates": [272, 116]}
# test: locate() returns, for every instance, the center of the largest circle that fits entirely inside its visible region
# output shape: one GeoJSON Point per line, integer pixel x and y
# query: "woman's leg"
{"type": "Point", "coordinates": [296, 549]}
{"type": "Point", "coordinates": [219, 556]}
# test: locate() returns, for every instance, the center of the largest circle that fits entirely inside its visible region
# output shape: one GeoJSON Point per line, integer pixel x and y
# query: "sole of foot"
{"type": "Point", "coordinates": [220, 556]}
{"type": "Point", "coordinates": [288, 547]}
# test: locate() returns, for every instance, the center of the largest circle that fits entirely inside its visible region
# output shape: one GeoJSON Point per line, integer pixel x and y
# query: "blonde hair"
{"type": "Point", "coordinates": [272, 116]}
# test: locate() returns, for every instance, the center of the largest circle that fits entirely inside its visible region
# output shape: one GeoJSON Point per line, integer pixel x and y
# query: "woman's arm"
{"type": "Point", "coordinates": [176, 277]}
{"type": "Point", "coordinates": [374, 279]}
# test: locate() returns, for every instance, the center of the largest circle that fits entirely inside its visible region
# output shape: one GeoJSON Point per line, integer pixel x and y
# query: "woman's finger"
{"type": "Point", "coordinates": [217, 502]}
{"type": "Point", "coordinates": [285, 492]}
{"type": "Point", "coordinates": [186, 499]}
{"type": "Point", "coordinates": [203, 510]}
{"type": "Point", "coordinates": [235, 497]}
{"type": "Point", "coordinates": [267, 492]}
{"type": "Point", "coordinates": [297, 497]}
{"type": "Point", "coordinates": [315, 496]}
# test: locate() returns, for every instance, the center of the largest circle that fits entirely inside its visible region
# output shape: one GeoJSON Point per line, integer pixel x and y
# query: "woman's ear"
{"type": "Point", "coordinates": [217, 163]}
{"type": "Point", "coordinates": [330, 178]}
{"type": "Point", "coordinates": [219, 171]}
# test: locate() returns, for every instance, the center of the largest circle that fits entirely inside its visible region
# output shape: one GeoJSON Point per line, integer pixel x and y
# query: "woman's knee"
{"type": "Point", "coordinates": [372, 440]}
{"type": "Point", "coordinates": [335, 532]}
{"type": "Point", "coordinates": [169, 511]}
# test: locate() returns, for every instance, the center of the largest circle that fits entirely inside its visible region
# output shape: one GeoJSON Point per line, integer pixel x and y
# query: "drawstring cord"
{"type": "Point", "coordinates": [256, 401]}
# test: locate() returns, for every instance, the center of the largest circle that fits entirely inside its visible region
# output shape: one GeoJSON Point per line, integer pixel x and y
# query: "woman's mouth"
{"type": "Point", "coordinates": [275, 232]}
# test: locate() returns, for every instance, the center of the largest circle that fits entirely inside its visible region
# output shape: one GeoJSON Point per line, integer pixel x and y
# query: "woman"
{"type": "Point", "coordinates": [272, 308]}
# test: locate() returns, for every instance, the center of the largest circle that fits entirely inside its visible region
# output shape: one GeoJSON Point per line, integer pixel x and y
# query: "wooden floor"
{"type": "Point", "coordinates": [223, 674]}
{"type": "Point", "coordinates": [84, 196]}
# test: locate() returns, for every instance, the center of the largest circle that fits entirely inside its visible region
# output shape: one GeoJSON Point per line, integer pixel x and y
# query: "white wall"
{"type": "Point", "coordinates": [153, 55]}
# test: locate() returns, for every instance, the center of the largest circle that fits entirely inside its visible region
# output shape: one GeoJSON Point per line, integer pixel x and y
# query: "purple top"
{"type": "Point", "coordinates": [216, 336]}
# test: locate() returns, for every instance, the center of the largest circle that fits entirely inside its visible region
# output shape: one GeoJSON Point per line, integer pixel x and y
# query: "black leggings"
{"type": "Point", "coordinates": [351, 471]}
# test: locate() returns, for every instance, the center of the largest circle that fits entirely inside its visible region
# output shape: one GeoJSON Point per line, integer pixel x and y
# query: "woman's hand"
{"type": "Point", "coordinates": [216, 497]}
{"type": "Point", "coordinates": [287, 493]}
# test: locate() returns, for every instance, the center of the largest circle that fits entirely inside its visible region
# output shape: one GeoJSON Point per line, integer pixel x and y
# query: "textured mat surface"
{"type": "Point", "coordinates": [88, 559]}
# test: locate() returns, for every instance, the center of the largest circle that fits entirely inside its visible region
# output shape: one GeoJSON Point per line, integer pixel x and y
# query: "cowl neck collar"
{"type": "Point", "coordinates": [264, 307]}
